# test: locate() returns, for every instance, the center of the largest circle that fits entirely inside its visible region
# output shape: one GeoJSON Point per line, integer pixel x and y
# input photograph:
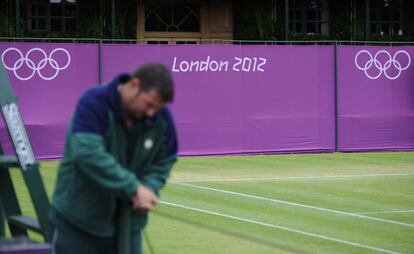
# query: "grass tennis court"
{"type": "Point", "coordinates": [309, 203]}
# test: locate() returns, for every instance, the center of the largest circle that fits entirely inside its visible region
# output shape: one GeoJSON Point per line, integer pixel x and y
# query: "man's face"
{"type": "Point", "coordinates": [138, 103]}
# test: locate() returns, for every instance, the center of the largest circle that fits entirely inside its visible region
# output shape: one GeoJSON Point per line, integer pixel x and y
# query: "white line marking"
{"type": "Point", "coordinates": [399, 211]}
{"type": "Point", "coordinates": [298, 204]}
{"type": "Point", "coordinates": [291, 178]}
{"type": "Point", "coordinates": [279, 227]}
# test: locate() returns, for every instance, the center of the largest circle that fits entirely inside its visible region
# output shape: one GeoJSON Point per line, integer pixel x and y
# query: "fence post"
{"type": "Point", "coordinates": [286, 20]}
{"type": "Point", "coordinates": [100, 61]}
{"type": "Point", "coordinates": [336, 99]}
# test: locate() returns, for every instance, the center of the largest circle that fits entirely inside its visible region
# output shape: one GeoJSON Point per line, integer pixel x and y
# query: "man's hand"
{"type": "Point", "coordinates": [144, 199]}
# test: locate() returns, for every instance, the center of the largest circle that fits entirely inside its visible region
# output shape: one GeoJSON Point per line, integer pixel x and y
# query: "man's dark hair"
{"type": "Point", "coordinates": [157, 77]}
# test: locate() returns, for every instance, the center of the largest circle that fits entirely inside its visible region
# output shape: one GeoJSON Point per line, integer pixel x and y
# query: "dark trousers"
{"type": "Point", "coordinates": [68, 239]}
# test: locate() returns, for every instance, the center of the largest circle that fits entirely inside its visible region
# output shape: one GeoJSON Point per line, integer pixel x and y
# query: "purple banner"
{"type": "Point", "coordinates": [48, 79]}
{"type": "Point", "coordinates": [243, 99]}
{"type": "Point", "coordinates": [376, 98]}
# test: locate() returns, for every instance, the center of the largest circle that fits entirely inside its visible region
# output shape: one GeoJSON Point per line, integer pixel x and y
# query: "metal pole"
{"type": "Point", "coordinates": [17, 25]}
{"type": "Point", "coordinates": [124, 231]}
{"type": "Point", "coordinates": [352, 20]}
{"type": "Point", "coordinates": [366, 20]}
{"type": "Point", "coordinates": [336, 99]}
{"type": "Point", "coordinates": [113, 12]}
{"type": "Point", "coordinates": [286, 20]}
{"type": "Point", "coordinates": [100, 62]}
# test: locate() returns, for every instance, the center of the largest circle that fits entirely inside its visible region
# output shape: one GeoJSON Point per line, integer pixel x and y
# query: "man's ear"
{"type": "Point", "coordinates": [135, 84]}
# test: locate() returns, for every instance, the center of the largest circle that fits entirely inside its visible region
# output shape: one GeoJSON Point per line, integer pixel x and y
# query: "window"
{"type": "Point", "coordinates": [172, 17]}
{"type": "Point", "coordinates": [186, 42]}
{"type": "Point", "coordinates": [385, 17]}
{"type": "Point", "coordinates": [308, 17]}
{"type": "Point", "coordinates": [157, 42]}
{"type": "Point", "coordinates": [53, 15]}
{"type": "Point", "coordinates": [38, 17]}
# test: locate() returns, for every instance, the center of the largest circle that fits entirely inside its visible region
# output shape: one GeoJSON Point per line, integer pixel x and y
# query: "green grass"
{"type": "Point", "coordinates": [309, 203]}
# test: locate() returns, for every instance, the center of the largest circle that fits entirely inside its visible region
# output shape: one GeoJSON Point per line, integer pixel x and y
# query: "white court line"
{"type": "Point", "coordinates": [398, 211]}
{"type": "Point", "coordinates": [291, 178]}
{"type": "Point", "coordinates": [280, 227]}
{"type": "Point", "coordinates": [298, 204]}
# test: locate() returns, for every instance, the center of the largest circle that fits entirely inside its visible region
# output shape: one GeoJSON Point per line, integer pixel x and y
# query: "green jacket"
{"type": "Point", "coordinates": [104, 161]}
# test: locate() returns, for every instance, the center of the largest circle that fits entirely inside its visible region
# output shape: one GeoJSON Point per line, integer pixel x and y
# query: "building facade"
{"type": "Point", "coordinates": [205, 21]}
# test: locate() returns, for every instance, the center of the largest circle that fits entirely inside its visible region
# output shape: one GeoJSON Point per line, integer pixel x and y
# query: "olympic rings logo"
{"type": "Point", "coordinates": [391, 61]}
{"type": "Point", "coordinates": [35, 68]}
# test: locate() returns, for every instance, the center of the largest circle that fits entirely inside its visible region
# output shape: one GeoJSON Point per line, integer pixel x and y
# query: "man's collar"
{"type": "Point", "coordinates": [114, 96]}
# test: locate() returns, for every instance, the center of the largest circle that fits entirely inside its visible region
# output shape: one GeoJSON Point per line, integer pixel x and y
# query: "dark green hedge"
{"type": "Point", "coordinates": [95, 20]}
{"type": "Point", "coordinates": [6, 22]}
{"type": "Point", "coordinates": [252, 22]}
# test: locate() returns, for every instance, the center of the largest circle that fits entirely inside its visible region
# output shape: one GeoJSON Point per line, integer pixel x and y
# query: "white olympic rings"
{"type": "Point", "coordinates": [382, 68]}
{"type": "Point", "coordinates": [25, 59]}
